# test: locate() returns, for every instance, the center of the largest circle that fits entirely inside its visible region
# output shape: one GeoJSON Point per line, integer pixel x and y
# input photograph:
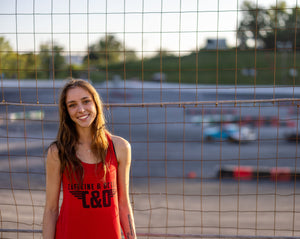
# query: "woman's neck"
{"type": "Point", "coordinates": [85, 136]}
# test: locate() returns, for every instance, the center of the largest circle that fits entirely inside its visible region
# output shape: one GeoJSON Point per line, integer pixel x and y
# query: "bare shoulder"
{"type": "Point", "coordinates": [52, 155]}
{"type": "Point", "coordinates": [120, 143]}
{"type": "Point", "coordinates": [122, 147]}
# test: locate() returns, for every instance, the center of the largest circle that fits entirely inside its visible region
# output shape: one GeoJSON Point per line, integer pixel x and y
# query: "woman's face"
{"type": "Point", "coordinates": [81, 107]}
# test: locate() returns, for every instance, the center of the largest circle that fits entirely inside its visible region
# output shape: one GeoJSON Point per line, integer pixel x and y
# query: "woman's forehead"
{"type": "Point", "coordinates": [77, 93]}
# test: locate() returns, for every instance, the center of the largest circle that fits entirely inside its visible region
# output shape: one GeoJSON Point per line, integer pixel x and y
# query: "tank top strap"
{"type": "Point", "coordinates": [111, 148]}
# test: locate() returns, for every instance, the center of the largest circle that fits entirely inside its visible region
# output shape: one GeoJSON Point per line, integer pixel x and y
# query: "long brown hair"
{"type": "Point", "coordinates": [67, 136]}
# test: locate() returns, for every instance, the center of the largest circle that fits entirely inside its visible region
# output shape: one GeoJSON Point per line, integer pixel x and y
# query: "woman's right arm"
{"type": "Point", "coordinates": [53, 183]}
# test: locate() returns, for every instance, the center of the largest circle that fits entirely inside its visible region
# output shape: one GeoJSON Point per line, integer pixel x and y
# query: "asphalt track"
{"type": "Point", "coordinates": [166, 142]}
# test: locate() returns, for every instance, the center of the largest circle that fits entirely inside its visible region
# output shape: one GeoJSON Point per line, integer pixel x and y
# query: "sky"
{"type": "Point", "coordinates": [179, 26]}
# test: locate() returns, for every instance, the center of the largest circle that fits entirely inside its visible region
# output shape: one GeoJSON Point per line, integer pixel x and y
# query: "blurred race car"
{"type": "Point", "coordinates": [229, 132]}
{"type": "Point", "coordinates": [293, 135]}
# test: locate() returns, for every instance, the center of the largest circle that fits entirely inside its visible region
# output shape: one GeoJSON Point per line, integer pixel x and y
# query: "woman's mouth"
{"type": "Point", "coordinates": [83, 117]}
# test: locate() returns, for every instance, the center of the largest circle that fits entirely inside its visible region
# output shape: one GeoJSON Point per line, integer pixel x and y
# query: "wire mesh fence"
{"type": "Point", "coordinates": [206, 93]}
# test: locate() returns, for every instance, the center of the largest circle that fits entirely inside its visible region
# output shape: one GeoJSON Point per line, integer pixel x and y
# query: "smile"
{"type": "Point", "coordinates": [83, 117]}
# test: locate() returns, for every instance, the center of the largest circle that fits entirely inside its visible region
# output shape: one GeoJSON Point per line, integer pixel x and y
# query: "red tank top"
{"type": "Point", "coordinates": [91, 210]}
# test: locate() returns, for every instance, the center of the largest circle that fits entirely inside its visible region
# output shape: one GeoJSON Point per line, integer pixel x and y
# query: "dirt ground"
{"type": "Point", "coordinates": [212, 209]}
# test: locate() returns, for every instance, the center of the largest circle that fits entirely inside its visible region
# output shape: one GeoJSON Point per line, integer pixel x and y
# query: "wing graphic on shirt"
{"type": "Point", "coordinates": [78, 194]}
{"type": "Point", "coordinates": [81, 195]}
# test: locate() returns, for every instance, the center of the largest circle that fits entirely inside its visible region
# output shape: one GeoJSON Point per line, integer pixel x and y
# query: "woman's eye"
{"type": "Point", "coordinates": [71, 105]}
{"type": "Point", "coordinates": [86, 101]}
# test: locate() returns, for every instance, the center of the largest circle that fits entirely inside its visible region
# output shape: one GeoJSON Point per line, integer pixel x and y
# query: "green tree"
{"type": "Point", "coordinates": [108, 51]}
{"type": "Point", "coordinates": [28, 65]}
{"type": "Point", "coordinates": [293, 27]}
{"type": "Point", "coordinates": [163, 53]}
{"type": "Point", "coordinates": [4, 46]}
{"type": "Point", "coordinates": [52, 62]}
{"type": "Point", "coordinates": [8, 60]}
{"type": "Point", "coordinates": [266, 27]}
{"type": "Point", "coordinates": [278, 31]}
{"type": "Point", "coordinates": [130, 55]}
{"type": "Point", "coordinates": [253, 26]}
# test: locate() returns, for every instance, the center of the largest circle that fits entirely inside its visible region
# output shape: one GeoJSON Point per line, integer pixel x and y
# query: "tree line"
{"type": "Point", "coordinates": [269, 28]}
{"type": "Point", "coordinates": [51, 61]}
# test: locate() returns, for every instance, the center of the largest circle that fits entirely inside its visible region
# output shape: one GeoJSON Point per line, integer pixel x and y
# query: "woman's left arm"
{"type": "Point", "coordinates": [123, 151]}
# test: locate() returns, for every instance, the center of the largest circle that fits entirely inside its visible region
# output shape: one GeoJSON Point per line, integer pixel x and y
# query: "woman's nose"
{"type": "Point", "coordinates": [80, 108]}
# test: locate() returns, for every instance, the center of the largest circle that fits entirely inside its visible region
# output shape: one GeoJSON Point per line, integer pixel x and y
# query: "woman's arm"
{"type": "Point", "coordinates": [53, 182]}
{"type": "Point", "coordinates": [123, 151]}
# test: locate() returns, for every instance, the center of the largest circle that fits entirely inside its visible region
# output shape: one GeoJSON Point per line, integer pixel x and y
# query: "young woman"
{"type": "Point", "coordinates": [93, 167]}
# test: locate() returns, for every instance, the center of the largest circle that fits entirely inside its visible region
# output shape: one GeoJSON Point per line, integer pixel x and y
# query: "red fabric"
{"type": "Point", "coordinates": [91, 211]}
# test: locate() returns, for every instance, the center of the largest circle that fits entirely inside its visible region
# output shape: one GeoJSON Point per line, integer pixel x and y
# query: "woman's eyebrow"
{"type": "Point", "coordinates": [71, 101]}
{"type": "Point", "coordinates": [83, 98]}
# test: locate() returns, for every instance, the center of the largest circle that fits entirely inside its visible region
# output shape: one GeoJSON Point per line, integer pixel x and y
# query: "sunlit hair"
{"type": "Point", "coordinates": [67, 137]}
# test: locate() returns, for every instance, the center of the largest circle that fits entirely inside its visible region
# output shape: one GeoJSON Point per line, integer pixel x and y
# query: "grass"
{"type": "Point", "coordinates": [212, 67]}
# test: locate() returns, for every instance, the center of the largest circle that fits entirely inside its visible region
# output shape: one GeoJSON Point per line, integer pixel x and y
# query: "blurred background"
{"type": "Point", "coordinates": [207, 93]}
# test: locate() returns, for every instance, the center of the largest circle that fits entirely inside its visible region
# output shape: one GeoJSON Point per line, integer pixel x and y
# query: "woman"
{"type": "Point", "coordinates": [93, 167]}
